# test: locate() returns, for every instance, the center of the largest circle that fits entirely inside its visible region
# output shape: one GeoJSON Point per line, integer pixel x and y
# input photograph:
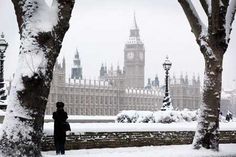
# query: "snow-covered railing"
{"type": "Point", "coordinates": [143, 91]}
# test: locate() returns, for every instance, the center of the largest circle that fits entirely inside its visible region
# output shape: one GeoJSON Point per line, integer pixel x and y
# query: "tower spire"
{"type": "Point", "coordinates": [134, 31]}
{"type": "Point", "coordinates": [76, 69]}
{"type": "Point", "coordinates": [64, 63]}
{"type": "Point", "coordinates": [77, 53]}
{"type": "Point", "coordinates": [135, 22]}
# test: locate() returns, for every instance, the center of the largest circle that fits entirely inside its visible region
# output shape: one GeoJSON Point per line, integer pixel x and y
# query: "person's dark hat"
{"type": "Point", "coordinates": [60, 104]}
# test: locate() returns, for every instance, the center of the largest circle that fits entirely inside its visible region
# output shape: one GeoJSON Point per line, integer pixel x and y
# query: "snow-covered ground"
{"type": "Point", "coordinates": [79, 128]}
{"type": "Point", "coordinates": [226, 150]}
{"type": "Point", "coordinates": [76, 117]}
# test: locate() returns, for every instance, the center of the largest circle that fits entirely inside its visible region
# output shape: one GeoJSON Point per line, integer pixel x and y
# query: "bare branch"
{"type": "Point", "coordinates": [205, 5]}
{"type": "Point", "coordinates": [19, 12]}
{"type": "Point", "coordinates": [194, 20]}
{"type": "Point", "coordinates": [230, 18]}
{"type": "Point", "coordinates": [64, 14]}
{"type": "Point", "coordinates": [217, 22]}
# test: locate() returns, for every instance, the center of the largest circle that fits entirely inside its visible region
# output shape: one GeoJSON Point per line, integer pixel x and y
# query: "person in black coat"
{"type": "Point", "coordinates": [60, 117]}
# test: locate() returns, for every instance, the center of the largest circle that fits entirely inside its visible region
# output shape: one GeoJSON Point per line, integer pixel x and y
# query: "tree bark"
{"type": "Point", "coordinates": [23, 123]}
{"type": "Point", "coordinates": [207, 134]}
{"type": "Point", "coordinates": [213, 43]}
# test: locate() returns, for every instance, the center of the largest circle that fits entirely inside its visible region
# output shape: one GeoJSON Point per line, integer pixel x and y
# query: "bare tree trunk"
{"type": "Point", "coordinates": [207, 134]}
{"type": "Point", "coordinates": [213, 42]}
{"type": "Point", "coordinates": [40, 46]}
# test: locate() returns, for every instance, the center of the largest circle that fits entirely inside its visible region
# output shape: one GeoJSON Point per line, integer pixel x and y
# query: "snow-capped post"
{"type": "Point", "coordinates": [3, 47]}
{"type": "Point", "coordinates": [167, 103]}
{"type": "Point", "coordinates": [42, 28]}
{"type": "Point", "coordinates": [213, 41]}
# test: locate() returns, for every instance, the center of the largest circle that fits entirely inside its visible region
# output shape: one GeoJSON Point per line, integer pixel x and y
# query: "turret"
{"type": "Point", "coordinates": [103, 72]}
{"type": "Point", "coordinates": [63, 63]}
{"type": "Point", "coordinates": [186, 78]}
{"type": "Point", "coordinates": [181, 78]}
{"type": "Point", "coordinates": [156, 81]}
{"type": "Point", "coordinates": [76, 70]}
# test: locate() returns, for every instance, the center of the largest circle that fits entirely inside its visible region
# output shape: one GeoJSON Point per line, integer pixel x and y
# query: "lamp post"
{"type": "Point", "coordinates": [3, 47]}
{"type": "Point", "coordinates": [167, 104]}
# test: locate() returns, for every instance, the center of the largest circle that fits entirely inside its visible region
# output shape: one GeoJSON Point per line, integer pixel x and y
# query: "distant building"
{"type": "Point", "coordinates": [185, 93]}
{"type": "Point", "coordinates": [228, 102]}
{"type": "Point", "coordinates": [76, 70]}
{"type": "Point", "coordinates": [134, 59]}
{"type": "Point", "coordinates": [118, 89]}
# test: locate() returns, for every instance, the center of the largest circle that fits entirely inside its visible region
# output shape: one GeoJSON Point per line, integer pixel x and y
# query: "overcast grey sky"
{"type": "Point", "coordinates": [100, 29]}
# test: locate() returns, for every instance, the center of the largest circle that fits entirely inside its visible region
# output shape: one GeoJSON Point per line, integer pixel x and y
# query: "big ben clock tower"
{"type": "Point", "coordinates": [134, 59]}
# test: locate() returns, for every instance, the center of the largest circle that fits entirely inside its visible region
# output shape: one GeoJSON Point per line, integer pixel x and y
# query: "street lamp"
{"type": "Point", "coordinates": [167, 104]}
{"type": "Point", "coordinates": [3, 47]}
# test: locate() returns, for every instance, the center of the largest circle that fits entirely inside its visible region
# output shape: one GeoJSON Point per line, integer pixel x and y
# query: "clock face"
{"type": "Point", "coordinates": [141, 55]}
{"type": "Point", "coordinates": [130, 55]}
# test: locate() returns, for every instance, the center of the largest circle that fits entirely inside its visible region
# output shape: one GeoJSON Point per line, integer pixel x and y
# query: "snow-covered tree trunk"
{"type": "Point", "coordinates": [42, 29]}
{"type": "Point", "coordinates": [213, 41]}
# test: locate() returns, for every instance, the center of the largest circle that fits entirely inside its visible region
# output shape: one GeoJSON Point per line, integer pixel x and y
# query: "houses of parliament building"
{"type": "Point", "coordinates": [119, 88]}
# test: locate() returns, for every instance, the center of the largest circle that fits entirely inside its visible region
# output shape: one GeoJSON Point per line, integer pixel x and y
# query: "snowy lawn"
{"type": "Point", "coordinates": [226, 150]}
{"type": "Point", "coordinates": [79, 128]}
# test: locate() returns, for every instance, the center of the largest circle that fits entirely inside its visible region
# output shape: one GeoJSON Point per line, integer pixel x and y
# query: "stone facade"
{"type": "Point", "coordinates": [118, 89]}
{"type": "Point", "coordinates": [98, 97]}
{"type": "Point", "coordinates": [185, 93]}
{"type": "Point", "coordinates": [108, 97]}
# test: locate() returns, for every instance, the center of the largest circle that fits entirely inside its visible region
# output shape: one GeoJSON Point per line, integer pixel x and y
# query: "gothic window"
{"type": "Point", "coordinates": [121, 100]}
{"type": "Point", "coordinates": [66, 98]}
{"type": "Point", "coordinates": [97, 99]}
{"type": "Point", "coordinates": [106, 100]}
{"type": "Point", "coordinates": [102, 100]}
{"type": "Point", "coordinates": [77, 99]}
{"type": "Point", "coordinates": [53, 98]}
{"type": "Point", "coordinates": [72, 99]}
{"type": "Point", "coordinates": [82, 99]}
{"type": "Point", "coordinates": [59, 98]}
{"type": "Point", "coordinates": [115, 100]}
{"type": "Point", "coordinates": [92, 99]}
{"type": "Point", "coordinates": [87, 99]}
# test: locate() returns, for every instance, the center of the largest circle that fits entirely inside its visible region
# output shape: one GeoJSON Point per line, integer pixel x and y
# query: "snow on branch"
{"type": "Point", "coordinates": [206, 5]}
{"type": "Point", "coordinates": [34, 14]}
{"type": "Point", "coordinates": [64, 14]}
{"type": "Point", "coordinates": [230, 18]}
{"type": "Point", "coordinates": [196, 24]}
{"type": "Point", "coordinates": [204, 46]}
{"type": "Point", "coordinates": [217, 21]}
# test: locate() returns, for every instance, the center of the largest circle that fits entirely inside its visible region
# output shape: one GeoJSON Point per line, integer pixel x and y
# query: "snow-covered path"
{"type": "Point", "coordinates": [226, 150]}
